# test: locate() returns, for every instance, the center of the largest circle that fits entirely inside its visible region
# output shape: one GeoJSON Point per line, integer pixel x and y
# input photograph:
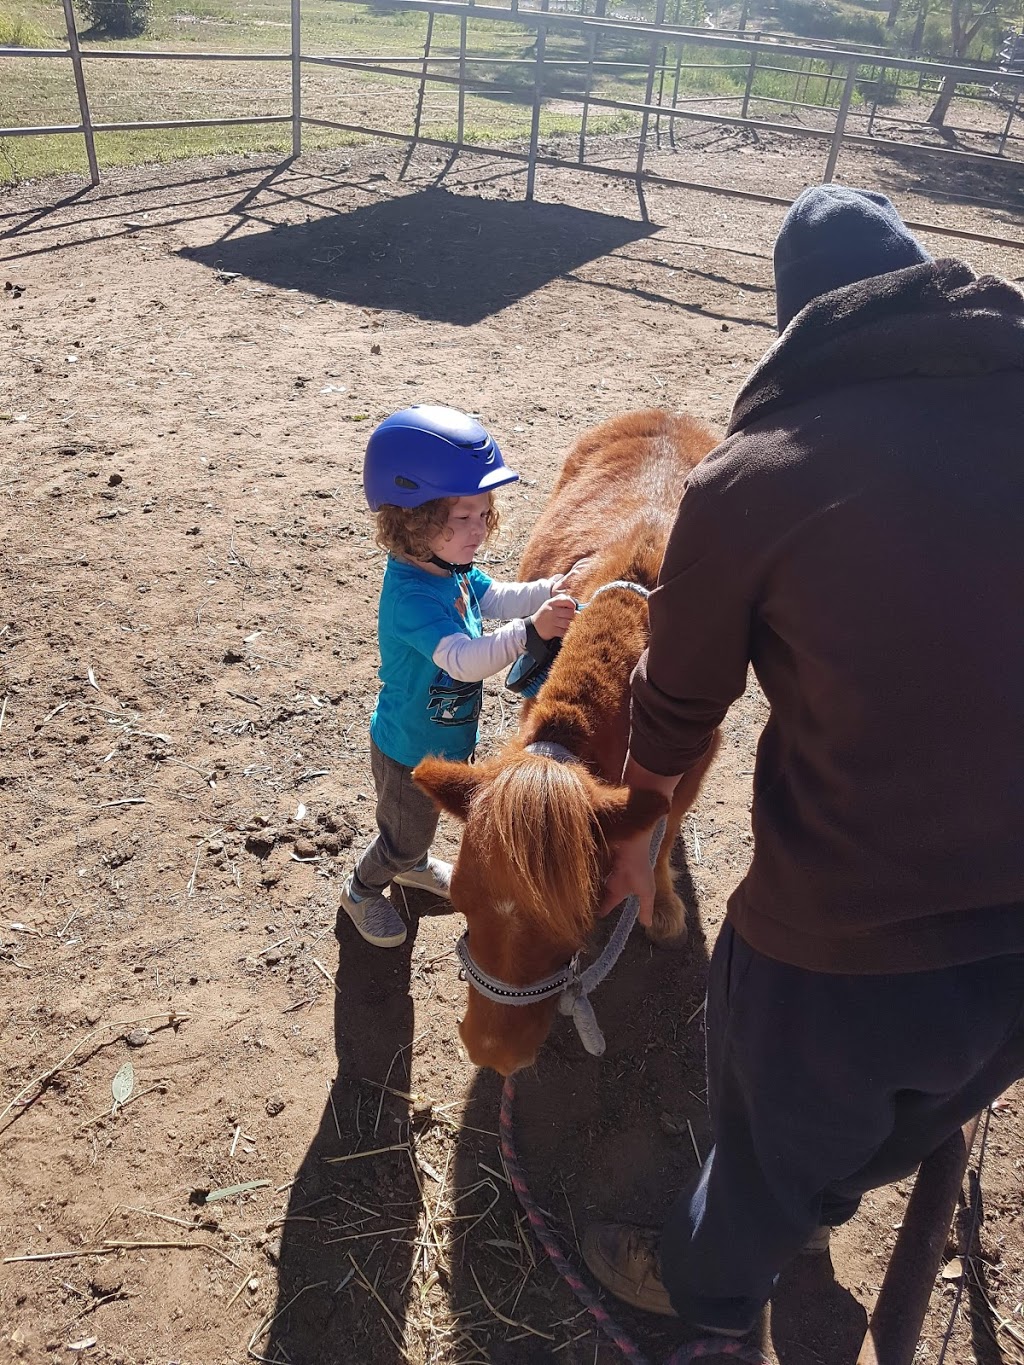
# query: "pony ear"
{"type": "Point", "coordinates": [451, 785]}
{"type": "Point", "coordinates": [624, 812]}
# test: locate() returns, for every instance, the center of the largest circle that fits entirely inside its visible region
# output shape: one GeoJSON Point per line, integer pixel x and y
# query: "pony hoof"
{"type": "Point", "coordinates": [668, 929]}
{"type": "Point", "coordinates": [671, 943]}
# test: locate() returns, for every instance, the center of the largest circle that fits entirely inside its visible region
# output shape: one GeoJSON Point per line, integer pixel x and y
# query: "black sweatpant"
{"type": "Point", "coordinates": [820, 1087]}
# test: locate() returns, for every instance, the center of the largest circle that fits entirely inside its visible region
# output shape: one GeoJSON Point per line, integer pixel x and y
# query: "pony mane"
{"type": "Point", "coordinates": [536, 820]}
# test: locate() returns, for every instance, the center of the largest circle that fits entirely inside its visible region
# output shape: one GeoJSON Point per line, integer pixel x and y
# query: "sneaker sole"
{"type": "Point", "coordinates": [407, 879]}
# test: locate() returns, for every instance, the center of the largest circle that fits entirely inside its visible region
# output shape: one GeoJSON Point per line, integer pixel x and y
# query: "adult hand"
{"type": "Point", "coordinates": [554, 617]}
{"type": "Point", "coordinates": [571, 580]}
{"type": "Point", "coordinates": [631, 875]}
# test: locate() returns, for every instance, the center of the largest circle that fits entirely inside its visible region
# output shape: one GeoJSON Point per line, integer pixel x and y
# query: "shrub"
{"type": "Point", "coordinates": [17, 31]}
{"type": "Point", "coordinates": [119, 18]}
{"type": "Point", "coordinates": [818, 19]}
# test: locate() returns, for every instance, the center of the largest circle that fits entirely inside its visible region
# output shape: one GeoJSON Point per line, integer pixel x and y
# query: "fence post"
{"type": "Point", "coordinates": [83, 98]}
{"type": "Point", "coordinates": [538, 90]}
{"type": "Point", "coordinates": [659, 19]}
{"type": "Point", "coordinates": [1009, 121]}
{"type": "Point", "coordinates": [418, 117]}
{"type": "Point", "coordinates": [879, 82]}
{"type": "Point", "coordinates": [296, 78]}
{"type": "Point", "coordinates": [592, 36]}
{"type": "Point", "coordinates": [750, 80]}
{"type": "Point", "coordinates": [459, 136]}
{"type": "Point", "coordinates": [837, 136]}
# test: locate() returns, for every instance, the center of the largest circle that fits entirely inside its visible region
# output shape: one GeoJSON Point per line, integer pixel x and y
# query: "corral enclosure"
{"type": "Point", "coordinates": [196, 355]}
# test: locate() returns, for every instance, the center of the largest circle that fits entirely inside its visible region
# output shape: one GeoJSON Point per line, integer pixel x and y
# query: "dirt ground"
{"type": "Point", "coordinates": [193, 358]}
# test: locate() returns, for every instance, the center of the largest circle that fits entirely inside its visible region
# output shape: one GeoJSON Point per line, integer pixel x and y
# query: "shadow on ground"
{"type": "Point", "coordinates": [439, 256]}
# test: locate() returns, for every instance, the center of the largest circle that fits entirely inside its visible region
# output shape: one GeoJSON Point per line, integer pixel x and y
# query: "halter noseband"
{"type": "Point", "coordinates": [569, 984]}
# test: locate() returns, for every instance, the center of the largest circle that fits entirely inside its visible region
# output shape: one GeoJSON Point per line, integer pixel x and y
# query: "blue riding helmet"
{"type": "Point", "coordinates": [428, 452]}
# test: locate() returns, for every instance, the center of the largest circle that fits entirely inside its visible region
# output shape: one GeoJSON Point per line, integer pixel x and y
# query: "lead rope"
{"type": "Point", "coordinates": [699, 1349]}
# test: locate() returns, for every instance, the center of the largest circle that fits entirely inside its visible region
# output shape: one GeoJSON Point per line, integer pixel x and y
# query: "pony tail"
{"type": "Point", "coordinates": [539, 820]}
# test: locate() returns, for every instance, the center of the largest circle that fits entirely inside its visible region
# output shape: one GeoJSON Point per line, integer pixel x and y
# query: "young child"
{"type": "Point", "coordinates": [430, 475]}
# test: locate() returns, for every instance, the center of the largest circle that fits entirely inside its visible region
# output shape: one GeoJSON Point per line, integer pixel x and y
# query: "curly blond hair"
{"type": "Point", "coordinates": [409, 530]}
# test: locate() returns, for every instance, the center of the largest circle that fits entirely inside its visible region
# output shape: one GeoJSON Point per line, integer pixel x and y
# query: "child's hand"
{"type": "Point", "coordinates": [552, 619]}
{"type": "Point", "coordinates": [570, 581]}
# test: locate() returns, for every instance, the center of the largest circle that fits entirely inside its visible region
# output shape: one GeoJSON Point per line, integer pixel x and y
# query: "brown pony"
{"type": "Point", "coordinates": [539, 832]}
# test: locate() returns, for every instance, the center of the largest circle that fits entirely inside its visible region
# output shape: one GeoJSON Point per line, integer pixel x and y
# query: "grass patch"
{"type": "Point", "coordinates": [18, 30]}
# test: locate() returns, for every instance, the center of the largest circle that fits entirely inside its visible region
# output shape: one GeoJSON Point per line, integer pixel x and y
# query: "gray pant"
{"type": "Point", "coordinates": [406, 823]}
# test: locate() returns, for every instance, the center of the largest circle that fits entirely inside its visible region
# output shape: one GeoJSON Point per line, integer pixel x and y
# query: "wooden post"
{"type": "Point", "coordinates": [1009, 121]}
{"type": "Point", "coordinates": [750, 81]}
{"type": "Point", "coordinates": [538, 92]}
{"type": "Point", "coordinates": [459, 136]}
{"type": "Point", "coordinates": [837, 136]}
{"type": "Point", "coordinates": [296, 78]}
{"type": "Point", "coordinates": [83, 98]}
{"type": "Point", "coordinates": [592, 37]}
{"type": "Point", "coordinates": [902, 1302]}
{"type": "Point", "coordinates": [879, 81]}
{"type": "Point", "coordinates": [659, 19]}
{"type": "Point", "coordinates": [417, 119]}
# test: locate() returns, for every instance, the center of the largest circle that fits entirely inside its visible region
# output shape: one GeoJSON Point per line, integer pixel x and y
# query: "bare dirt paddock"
{"type": "Point", "coordinates": [193, 357]}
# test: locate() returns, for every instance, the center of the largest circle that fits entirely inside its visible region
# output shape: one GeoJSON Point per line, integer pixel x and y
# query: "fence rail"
{"type": "Point", "coordinates": [848, 70]}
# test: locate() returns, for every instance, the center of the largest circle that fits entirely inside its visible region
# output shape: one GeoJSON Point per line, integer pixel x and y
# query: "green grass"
{"type": "Point", "coordinates": [35, 91]}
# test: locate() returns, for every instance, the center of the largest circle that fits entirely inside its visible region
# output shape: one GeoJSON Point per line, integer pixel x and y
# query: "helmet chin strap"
{"type": "Point", "coordinates": [450, 568]}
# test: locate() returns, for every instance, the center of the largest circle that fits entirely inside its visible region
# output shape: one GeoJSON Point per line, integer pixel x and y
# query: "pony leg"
{"type": "Point", "coordinates": [669, 920]}
{"type": "Point", "coordinates": [668, 923]}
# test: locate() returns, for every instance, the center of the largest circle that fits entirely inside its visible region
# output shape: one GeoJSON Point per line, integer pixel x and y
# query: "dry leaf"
{"type": "Point", "coordinates": [123, 1084]}
{"type": "Point", "coordinates": [953, 1270]}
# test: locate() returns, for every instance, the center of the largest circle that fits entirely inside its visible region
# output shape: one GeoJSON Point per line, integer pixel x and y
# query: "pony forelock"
{"type": "Point", "coordinates": [537, 823]}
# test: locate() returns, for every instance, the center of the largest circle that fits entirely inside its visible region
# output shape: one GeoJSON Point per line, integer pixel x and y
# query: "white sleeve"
{"type": "Point", "coordinates": [503, 601]}
{"type": "Point", "coordinates": [469, 660]}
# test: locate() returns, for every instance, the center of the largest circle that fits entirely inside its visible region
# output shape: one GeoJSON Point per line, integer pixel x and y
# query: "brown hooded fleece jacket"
{"type": "Point", "coordinates": [859, 539]}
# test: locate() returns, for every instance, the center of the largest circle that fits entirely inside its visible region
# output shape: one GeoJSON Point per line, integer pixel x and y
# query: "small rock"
{"type": "Point", "coordinates": [115, 479]}
{"type": "Point", "coordinates": [375, 349]}
{"type": "Point", "coordinates": [275, 1104]}
{"type": "Point", "coordinates": [273, 957]}
{"type": "Point", "coordinates": [215, 846]}
{"type": "Point", "coordinates": [305, 848]}
{"type": "Point", "coordinates": [725, 326]}
{"type": "Point", "coordinates": [273, 1250]}
{"type": "Point", "coordinates": [138, 1037]}
{"type": "Point", "coordinates": [330, 843]}
{"type": "Point", "coordinates": [194, 531]}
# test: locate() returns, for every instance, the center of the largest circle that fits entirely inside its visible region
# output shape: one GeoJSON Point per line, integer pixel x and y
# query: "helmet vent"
{"type": "Point", "coordinates": [402, 482]}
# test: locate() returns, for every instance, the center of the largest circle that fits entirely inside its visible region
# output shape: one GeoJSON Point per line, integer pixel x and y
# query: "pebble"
{"type": "Point", "coordinates": [305, 848]}
{"type": "Point", "coordinates": [275, 1104]}
{"type": "Point", "coordinates": [138, 1037]}
{"type": "Point", "coordinates": [273, 957]}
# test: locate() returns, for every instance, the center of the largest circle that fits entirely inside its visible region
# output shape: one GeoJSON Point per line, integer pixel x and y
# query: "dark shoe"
{"type": "Point", "coordinates": [624, 1259]}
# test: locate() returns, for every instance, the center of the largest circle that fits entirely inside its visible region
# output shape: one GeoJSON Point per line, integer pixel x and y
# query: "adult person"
{"type": "Point", "coordinates": [859, 540]}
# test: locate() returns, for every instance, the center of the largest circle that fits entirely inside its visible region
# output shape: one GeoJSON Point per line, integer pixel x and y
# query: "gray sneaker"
{"type": "Point", "coordinates": [375, 917]}
{"type": "Point", "coordinates": [434, 876]}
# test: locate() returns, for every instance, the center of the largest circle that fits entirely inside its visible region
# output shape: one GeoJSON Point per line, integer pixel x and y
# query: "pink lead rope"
{"type": "Point", "coordinates": [691, 1350]}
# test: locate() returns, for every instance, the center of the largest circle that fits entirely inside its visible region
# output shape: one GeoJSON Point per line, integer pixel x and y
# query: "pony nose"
{"type": "Point", "coordinates": [486, 1050]}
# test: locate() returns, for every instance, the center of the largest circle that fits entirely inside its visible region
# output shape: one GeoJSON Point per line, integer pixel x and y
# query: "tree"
{"type": "Point", "coordinates": [966, 18]}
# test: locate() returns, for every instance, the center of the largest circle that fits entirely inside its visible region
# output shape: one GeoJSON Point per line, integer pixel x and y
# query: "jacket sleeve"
{"type": "Point", "coordinates": [701, 612]}
{"type": "Point", "coordinates": [471, 660]}
{"type": "Point", "coordinates": [503, 601]}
